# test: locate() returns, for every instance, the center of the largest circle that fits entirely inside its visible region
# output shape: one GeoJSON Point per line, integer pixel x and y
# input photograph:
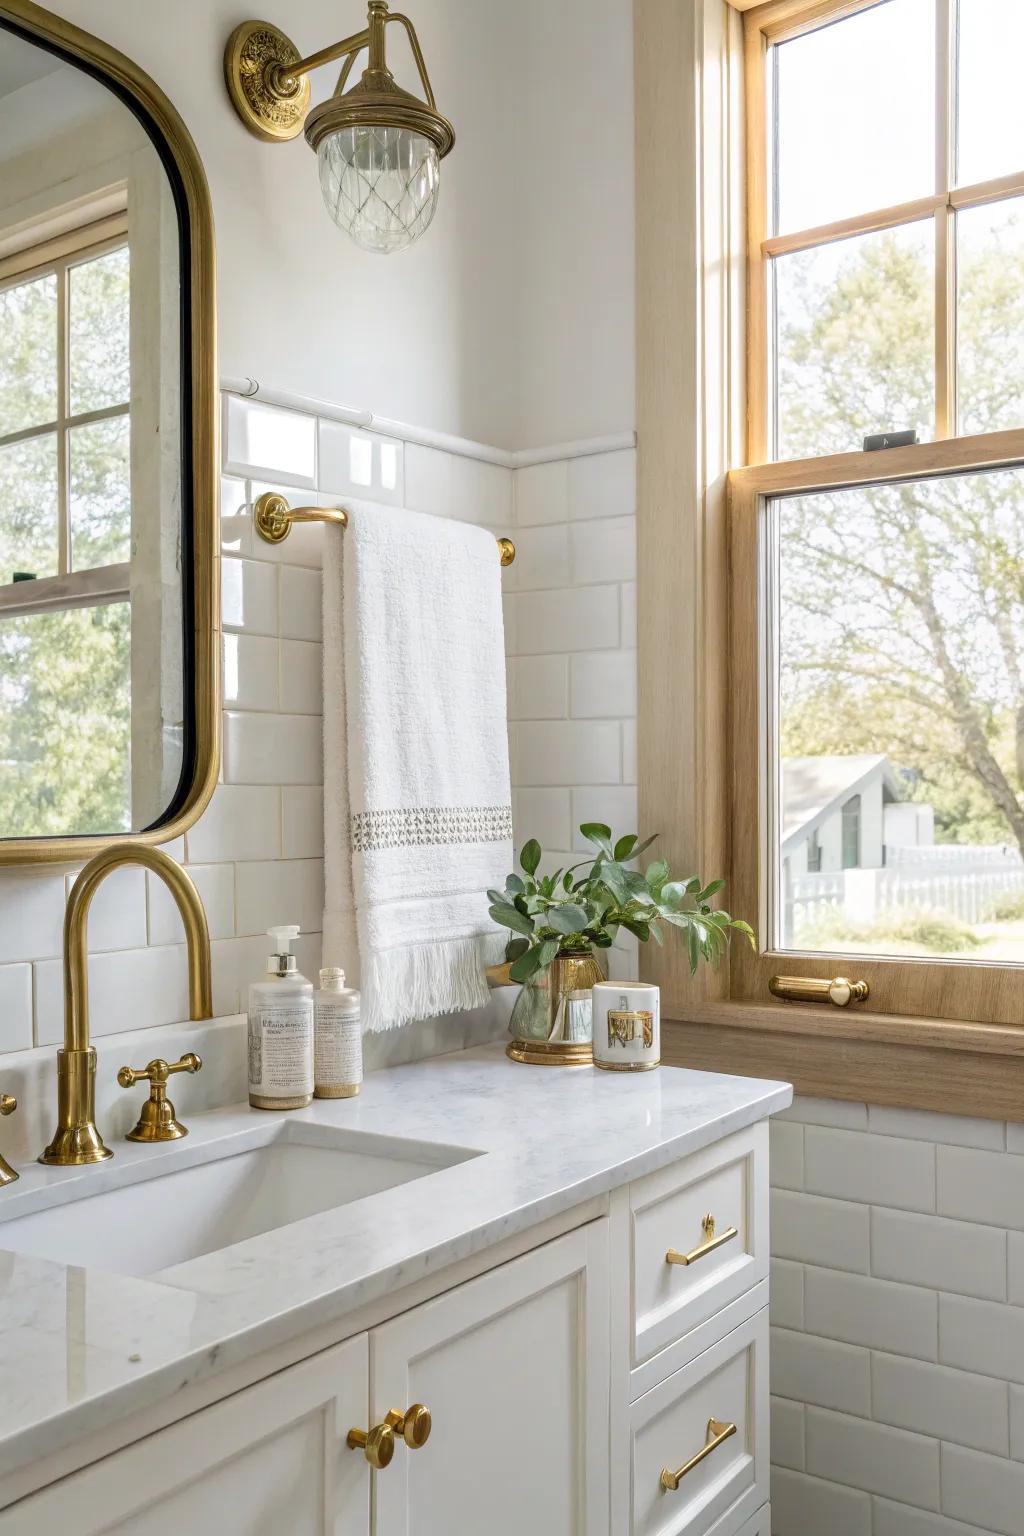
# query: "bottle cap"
{"type": "Point", "coordinates": [332, 978]}
{"type": "Point", "coordinates": [282, 961]}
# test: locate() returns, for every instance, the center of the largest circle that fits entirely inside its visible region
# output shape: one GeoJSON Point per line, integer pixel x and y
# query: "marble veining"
{"type": "Point", "coordinates": [77, 1343]}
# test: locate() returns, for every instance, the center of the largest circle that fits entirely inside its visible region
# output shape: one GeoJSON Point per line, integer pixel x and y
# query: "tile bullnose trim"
{"type": "Point", "coordinates": [248, 388]}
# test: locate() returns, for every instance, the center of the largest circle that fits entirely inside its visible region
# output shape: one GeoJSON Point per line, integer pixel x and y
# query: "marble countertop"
{"type": "Point", "coordinates": [81, 1348]}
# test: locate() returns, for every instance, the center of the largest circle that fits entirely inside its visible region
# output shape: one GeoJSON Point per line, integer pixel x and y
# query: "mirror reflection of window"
{"type": "Point", "coordinates": [91, 688]}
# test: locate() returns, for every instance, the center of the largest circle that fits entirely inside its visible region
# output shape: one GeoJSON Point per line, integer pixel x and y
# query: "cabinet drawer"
{"type": "Point", "coordinates": [727, 1183]}
{"type": "Point", "coordinates": [719, 1400]}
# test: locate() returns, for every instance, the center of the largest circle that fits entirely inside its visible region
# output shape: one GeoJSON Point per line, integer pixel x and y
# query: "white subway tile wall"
{"type": "Point", "coordinates": [897, 1308]}
{"type": "Point", "coordinates": [570, 633]}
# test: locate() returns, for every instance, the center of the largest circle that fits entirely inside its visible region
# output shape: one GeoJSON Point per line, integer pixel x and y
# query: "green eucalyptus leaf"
{"type": "Point", "coordinates": [643, 846]}
{"type": "Point", "coordinates": [548, 950]}
{"type": "Point", "coordinates": [709, 890]}
{"type": "Point", "coordinates": [508, 917]}
{"type": "Point", "coordinates": [601, 836]}
{"type": "Point", "coordinates": [672, 892]}
{"type": "Point", "coordinates": [624, 847]}
{"type": "Point", "coordinates": [526, 965]}
{"type": "Point", "coordinates": [531, 856]}
{"type": "Point", "coordinates": [568, 919]}
{"type": "Point", "coordinates": [514, 885]}
{"type": "Point", "coordinates": [516, 947]}
{"type": "Point", "coordinates": [657, 874]}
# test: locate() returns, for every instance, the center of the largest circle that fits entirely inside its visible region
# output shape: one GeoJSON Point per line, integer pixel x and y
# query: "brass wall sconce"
{"type": "Point", "coordinates": [378, 146]}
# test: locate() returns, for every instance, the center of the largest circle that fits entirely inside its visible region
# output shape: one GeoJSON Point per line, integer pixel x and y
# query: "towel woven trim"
{"type": "Point", "coordinates": [430, 826]}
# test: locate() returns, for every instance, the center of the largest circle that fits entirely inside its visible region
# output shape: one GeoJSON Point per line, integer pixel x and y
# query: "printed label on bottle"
{"type": "Point", "coordinates": [338, 1047]}
{"type": "Point", "coordinates": [281, 1051]}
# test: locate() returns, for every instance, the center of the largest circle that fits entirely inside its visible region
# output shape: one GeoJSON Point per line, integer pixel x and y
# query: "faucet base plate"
{"type": "Point", "coordinates": [74, 1146]}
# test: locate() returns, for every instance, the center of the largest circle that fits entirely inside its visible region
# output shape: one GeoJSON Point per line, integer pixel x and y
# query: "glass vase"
{"type": "Point", "coordinates": [551, 1023]}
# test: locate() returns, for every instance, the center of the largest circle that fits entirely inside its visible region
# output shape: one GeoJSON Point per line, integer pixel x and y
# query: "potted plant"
{"type": "Point", "coordinates": [561, 922]}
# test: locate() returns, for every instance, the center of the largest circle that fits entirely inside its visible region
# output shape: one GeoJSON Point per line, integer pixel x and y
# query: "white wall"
{"type": "Point", "coordinates": [511, 322]}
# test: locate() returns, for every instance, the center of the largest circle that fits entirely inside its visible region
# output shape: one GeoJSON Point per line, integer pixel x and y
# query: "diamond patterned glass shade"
{"type": "Point", "coordinates": [380, 184]}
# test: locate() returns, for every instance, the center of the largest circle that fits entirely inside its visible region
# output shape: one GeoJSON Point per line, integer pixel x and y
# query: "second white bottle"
{"type": "Point", "coordinates": [281, 1030]}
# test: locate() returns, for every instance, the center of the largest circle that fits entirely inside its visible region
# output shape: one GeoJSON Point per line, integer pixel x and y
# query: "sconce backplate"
{"type": "Point", "coordinates": [252, 51]}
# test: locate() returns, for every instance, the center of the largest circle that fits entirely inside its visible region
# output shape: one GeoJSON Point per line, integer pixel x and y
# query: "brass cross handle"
{"type": "Point", "coordinates": [158, 1121]}
{"type": "Point", "coordinates": [717, 1434]}
{"type": "Point", "coordinates": [712, 1240]}
{"type": "Point", "coordinates": [8, 1104]}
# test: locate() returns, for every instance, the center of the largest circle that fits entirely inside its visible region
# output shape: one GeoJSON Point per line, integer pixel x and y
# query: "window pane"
{"type": "Point", "coordinates": [855, 108]}
{"type": "Point", "coordinates": [991, 108]}
{"type": "Point", "coordinates": [990, 320]}
{"type": "Point", "coordinates": [65, 722]}
{"type": "Point", "coordinates": [28, 355]}
{"type": "Point", "coordinates": [28, 508]}
{"type": "Point", "coordinates": [100, 502]}
{"type": "Point", "coordinates": [900, 683]}
{"type": "Point", "coordinates": [98, 325]}
{"type": "Point", "coordinates": [854, 324]}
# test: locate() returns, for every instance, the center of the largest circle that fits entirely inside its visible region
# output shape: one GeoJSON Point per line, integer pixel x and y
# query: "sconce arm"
{"type": "Point", "coordinates": [286, 77]}
{"type": "Point", "coordinates": [417, 53]}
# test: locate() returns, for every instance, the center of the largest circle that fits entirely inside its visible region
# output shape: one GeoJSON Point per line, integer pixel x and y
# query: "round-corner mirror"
{"type": "Point", "coordinates": [109, 703]}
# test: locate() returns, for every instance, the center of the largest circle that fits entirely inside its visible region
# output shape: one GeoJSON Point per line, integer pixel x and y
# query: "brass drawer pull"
{"type": "Point", "coordinates": [710, 1243]}
{"type": "Point", "coordinates": [808, 989]}
{"type": "Point", "coordinates": [718, 1433]}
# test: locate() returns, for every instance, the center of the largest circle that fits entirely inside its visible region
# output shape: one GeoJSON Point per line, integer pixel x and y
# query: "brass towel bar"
{"type": "Point", "coordinates": [274, 518]}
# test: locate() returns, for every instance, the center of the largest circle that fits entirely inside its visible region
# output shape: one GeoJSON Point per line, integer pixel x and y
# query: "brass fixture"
{"type": "Point", "coordinates": [378, 1444]}
{"type": "Point", "coordinates": [8, 1104]}
{"type": "Point", "coordinates": [273, 518]}
{"type": "Point", "coordinates": [717, 1434]}
{"type": "Point", "coordinates": [77, 1139]}
{"type": "Point", "coordinates": [157, 1121]}
{"type": "Point", "coordinates": [413, 1425]}
{"type": "Point", "coordinates": [710, 1243]}
{"type": "Point", "coordinates": [375, 135]}
{"type": "Point", "coordinates": [201, 396]}
{"type": "Point", "coordinates": [808, 989]}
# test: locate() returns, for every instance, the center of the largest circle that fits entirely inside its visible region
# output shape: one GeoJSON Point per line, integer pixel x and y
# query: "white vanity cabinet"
{"type": "Point", "coordinates": [562, 1383]}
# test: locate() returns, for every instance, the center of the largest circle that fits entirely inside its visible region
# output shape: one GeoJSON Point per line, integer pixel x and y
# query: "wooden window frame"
{"type": "Point", "coordinates": [57, 255]}
{"type": "Point", "coordinates": [967, 1055]}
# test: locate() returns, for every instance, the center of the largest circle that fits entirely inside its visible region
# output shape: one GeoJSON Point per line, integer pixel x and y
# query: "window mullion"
{"type": "Point", "coordinates": [945, 219]}
{"type": "Point", "coordinates": [63, 410]}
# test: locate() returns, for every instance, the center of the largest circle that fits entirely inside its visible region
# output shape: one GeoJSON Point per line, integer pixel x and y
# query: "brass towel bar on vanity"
{"type": "Point", "coordinates": [274, 518]}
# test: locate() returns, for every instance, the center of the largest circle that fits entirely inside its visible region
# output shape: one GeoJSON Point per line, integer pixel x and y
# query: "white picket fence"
{"type": "Point", "coordinates": [947, 879]}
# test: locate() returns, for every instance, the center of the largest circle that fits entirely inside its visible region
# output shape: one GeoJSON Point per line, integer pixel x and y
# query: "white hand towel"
{"type": "Point", "coordinates": [417, 799]}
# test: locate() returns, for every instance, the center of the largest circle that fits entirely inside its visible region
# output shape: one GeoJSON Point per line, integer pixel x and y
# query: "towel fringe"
{"type": "Point", "coordinates": [428, 980]}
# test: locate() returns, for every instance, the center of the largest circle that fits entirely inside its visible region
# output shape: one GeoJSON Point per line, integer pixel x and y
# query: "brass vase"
{"type": "Point", "coordinates": [551, 1023]}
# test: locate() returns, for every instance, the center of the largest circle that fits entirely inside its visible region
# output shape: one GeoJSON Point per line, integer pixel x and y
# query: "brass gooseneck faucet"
{"type": "Point", "coordinates": [77, 1139]}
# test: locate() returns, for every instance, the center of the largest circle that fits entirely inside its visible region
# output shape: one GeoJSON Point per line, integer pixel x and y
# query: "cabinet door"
{"type": "Point", "coordinates": [514, 1369]}
{"type": "Point", "coordinates": [269, 1460]}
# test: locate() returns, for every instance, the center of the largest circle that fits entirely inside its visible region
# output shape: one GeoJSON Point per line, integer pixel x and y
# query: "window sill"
{"type": "Point", "coordinates": [950, 1066]}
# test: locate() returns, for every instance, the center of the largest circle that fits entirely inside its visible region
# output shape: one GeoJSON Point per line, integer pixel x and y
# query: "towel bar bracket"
{"type": "Point", "coordinates": [273, 518]}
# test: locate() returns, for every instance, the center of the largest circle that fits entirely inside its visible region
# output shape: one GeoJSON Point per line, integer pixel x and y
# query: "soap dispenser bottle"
{"type": "Point", "coordinates": [281, 1030]}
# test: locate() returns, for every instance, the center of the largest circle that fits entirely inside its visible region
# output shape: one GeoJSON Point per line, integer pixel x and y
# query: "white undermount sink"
{"type": "Point", "coordinates": [147, 1215]}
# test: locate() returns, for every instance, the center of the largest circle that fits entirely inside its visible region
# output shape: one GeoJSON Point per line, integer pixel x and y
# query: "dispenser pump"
{"type": "Point", "coordinates": [282, 961]}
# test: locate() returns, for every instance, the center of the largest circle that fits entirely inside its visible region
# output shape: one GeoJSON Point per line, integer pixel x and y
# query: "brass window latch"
{"type": "Point", "coordinates": [809, 989]}
{"type": "Point", "coordinates": [158, 1121]}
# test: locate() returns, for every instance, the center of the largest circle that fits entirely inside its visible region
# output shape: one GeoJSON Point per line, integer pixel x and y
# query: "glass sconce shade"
{"type": "Point", "coordinates": [380, 184]}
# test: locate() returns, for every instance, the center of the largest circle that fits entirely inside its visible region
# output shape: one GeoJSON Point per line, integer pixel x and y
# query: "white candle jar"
{"type": "Point", "coordinates": [627, 1026]}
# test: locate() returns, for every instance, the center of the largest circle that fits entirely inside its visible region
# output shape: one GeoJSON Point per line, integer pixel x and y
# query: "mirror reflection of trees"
{"type": "Point", "coordinates": [65, 675]}
{"type": "Point", "coordinates": [902, 607]}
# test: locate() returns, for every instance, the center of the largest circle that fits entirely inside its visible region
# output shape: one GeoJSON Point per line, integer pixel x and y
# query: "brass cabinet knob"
{"type": "Point", "coordinates": [8, 1104]}
{"type": "Point", "coordinates": [158, 1121]}
{"type": "Point", "coordinates": [377, 1444]}
{"type": "Point", "coordinates": [414, 1425]}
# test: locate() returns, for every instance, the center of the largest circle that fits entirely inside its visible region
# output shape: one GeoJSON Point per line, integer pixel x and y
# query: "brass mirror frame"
{"type": "Point", "coordinates": [200, 459]}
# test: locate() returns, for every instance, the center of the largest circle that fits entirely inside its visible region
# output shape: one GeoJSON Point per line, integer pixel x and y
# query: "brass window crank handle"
{"type": "Point", "coordinates": [158, 1121]}
{"type": "Point", "coordinates": [8, 1104]}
